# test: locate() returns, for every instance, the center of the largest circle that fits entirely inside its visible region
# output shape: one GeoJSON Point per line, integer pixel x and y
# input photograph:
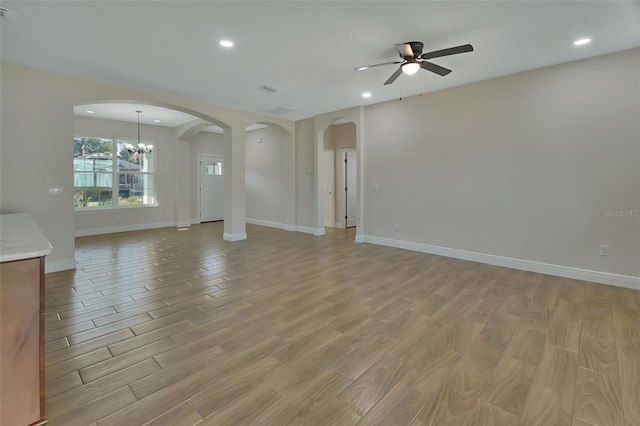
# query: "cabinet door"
{"type": "Point", "coordinates": [20, 342]}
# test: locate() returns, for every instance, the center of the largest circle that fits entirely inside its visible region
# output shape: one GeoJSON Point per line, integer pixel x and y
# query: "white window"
{"type": "Point", "coordinates": [106, 174]}
{"type": "Point", "coordinates": [214, 168]}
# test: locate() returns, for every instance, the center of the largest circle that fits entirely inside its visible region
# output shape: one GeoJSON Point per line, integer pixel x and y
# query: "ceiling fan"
{"type": "Point", "coordinates": [413, 59]}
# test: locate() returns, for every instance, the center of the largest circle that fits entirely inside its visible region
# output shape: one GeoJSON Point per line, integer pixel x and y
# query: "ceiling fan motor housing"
{"type": "Point", "coordinates": [416, 47]}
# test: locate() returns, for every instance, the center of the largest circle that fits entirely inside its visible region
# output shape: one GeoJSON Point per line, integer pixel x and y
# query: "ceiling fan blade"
{"type": "Point", "coordinates": [405, 51]}
{"type": "Point", "coordinates": [442, 71]}
{"type": "Point", "coordinates": [394, 76]}
{"type": "Point", "coordinates": [376, 65]}
{"type": "Point", "coordinates": [446, 52]}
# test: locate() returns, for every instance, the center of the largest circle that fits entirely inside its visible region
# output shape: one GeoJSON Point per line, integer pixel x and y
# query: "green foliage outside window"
{"type": "Point", "coordinates": [98, 178]}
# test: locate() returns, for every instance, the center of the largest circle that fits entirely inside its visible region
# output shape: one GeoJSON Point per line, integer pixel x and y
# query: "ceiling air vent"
{"type": "Point", "coordinates": [279, 111]}
{"type": "Point", "coordinates": [270, 89]}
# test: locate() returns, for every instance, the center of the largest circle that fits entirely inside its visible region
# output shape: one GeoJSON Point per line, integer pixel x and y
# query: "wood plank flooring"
{"type": "Point", "coordinates": [178, 327]}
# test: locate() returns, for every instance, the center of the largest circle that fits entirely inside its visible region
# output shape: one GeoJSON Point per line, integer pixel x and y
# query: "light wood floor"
{"type": "Point", "coordinates": [170, 327]}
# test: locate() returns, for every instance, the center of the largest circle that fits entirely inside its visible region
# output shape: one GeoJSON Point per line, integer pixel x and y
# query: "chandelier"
{"type": "Point", "coordinates": [141, 148]}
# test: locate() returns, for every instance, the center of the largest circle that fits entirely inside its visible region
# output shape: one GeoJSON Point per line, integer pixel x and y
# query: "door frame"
{"type": "Point", "coordinates": [343, 183]}
{"type": "Point", "coordinates": [330, 175]}
{"type": "Point", "coordinates": [199, 187]}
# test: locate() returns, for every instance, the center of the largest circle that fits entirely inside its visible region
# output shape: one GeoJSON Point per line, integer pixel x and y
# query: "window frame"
{"type": "Point", "coordinates": [115, 173]}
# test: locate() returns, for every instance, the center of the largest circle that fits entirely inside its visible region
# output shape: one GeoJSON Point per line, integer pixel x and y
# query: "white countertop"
{"type": "Point", "coordinates": [21, 238]}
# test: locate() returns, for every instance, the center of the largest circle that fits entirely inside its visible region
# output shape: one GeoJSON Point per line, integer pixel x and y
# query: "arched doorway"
{"type": "Point", "coordinates": [323, 133]}
{"type": "Point", "coordinates": [170, 129]}
{"type": "Point", "coordinates": [339, 183]}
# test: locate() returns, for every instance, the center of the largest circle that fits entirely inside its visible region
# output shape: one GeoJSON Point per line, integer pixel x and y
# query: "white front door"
{"type": "Point", "coordinates": [211, 188]}
{"type": "Point", "coordinates": [350, 188]}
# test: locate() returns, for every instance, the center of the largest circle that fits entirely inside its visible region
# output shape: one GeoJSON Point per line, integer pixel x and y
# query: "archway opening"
{"type": "Point", "coordinates": [339, 175]}
{"type": "Point", "coordinates": [133, 189]}
{"type": "Point", "coordinates": [338, 137]}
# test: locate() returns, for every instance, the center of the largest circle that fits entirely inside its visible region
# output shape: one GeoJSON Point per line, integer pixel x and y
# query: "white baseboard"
{"type": "Point", "coordinates": [267, 223]}
{"type": "Point", "coordinates": [234, 237]}
{"type": "Point", "coordinates": [125, 228]}
{"type": "Point", "coordinates": [308, 230]}
{"type": "Point", "coordinates": [58, 265]}
{"type": "Point", "coordinates": [286, 227]}
{"type": "Point", "coordinates": [525, 265]}
{"type": "Point", "coordinates": [360, 238]}
{"type": "Point", "coordinates": [182, 224]}
{"type": "Point", "coordinates": [271, 224]}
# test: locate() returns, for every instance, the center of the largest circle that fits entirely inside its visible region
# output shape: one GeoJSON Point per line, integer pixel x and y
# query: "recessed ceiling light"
{"type": "Point", "coordinates": [90, 112]}
{"type": "Point", "coordinates": [582, 41]}
{"type": "Point", "coordinates": [366, 95]}
{"type": "Point", "coordinates": [226, 43]}
{"type": "Point", "coordinates": [156, 121]}
{"type": "Point", "coordinates": [361, 68]}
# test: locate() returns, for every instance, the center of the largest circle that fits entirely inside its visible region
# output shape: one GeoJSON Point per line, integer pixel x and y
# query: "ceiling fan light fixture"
{"type": "Point", "coordinates": [410, 68]}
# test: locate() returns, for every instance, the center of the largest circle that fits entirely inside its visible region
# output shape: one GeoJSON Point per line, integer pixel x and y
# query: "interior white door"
{"type": "Point", "coordinates": [350, 187]}
{"type": "Point", "coordinates": [211, 188]}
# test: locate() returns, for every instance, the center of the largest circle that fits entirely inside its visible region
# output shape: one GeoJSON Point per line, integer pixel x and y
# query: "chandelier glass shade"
{"type": "Point", "coordinates": [140, 148]}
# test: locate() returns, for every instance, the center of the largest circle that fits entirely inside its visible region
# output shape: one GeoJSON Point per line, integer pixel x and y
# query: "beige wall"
{"type": "Point", "coordinates": [265, 177]}
{"type": "Point", "coordinates": [522, 167]}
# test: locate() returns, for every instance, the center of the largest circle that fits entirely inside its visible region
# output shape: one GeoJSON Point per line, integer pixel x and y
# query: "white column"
{"type": "Point", "coordinates": [234, 184]}
{"type": "Point", "coordinates": [181, 203]}
{"type": "Point", "coordinates": [317, 182]}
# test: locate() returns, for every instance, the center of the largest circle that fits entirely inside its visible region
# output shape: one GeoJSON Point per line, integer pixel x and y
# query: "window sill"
{"type": "Point", "coordinates": [111, 209]}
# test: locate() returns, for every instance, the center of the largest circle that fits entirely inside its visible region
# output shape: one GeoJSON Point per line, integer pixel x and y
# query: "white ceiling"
{"type": "Point", "coordinates": [149, 114]}
{"type": "Point", "coordinates": [127, 112]}
{"type": "Point", "coordinates": [307, 48]}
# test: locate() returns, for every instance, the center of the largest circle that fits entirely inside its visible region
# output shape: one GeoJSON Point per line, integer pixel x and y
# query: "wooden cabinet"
{"type": "Point", "coordinates": [23, 248]}
{"type": "Point", "coordinates": [22, 342]}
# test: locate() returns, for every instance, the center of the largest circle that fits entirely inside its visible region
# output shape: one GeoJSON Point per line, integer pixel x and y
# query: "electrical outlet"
{"type": "Point", "coordinates": [56, 190]}
{"type": "Point", "coordinates": [604, 250]}
{"type": "Point", "coordinates": [396, 226]}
